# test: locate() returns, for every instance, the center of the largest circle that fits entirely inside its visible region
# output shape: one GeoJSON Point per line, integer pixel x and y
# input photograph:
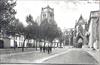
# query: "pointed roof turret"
{"type": "Point", "coordinates": [81, 17]}
{"type": "Point", "coordinates": [81, 21]}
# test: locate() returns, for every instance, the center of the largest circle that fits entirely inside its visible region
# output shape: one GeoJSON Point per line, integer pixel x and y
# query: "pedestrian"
{"type": "Point", "coordinates": [48, 49]}
{"type": "Point", "coordinates": [44, 49]}
{"type": "Point", "coordinates": [40, 48]}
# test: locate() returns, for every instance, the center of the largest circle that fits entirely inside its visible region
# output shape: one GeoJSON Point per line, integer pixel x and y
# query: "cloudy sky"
{"type": "Point", "coordinates": [66, 11]}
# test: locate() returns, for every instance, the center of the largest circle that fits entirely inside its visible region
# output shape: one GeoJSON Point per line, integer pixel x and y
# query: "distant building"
{"type": "Point", "coordinates": [4, 40]}
{"type": "Point", "coordinates": [38, 20]}
{"type": "Point", "coordinates": [94, 29]}
{"type": "Point", "coordinates": [5, 43]}
{"type": "Point", "coordinates": [47, 13]}
{"type": "Point", "coordinates": [17, 40]}
{"type": "Point", "coordinates": [11, 41]}
{"type": "Point", "coordinates": [80, 26]}
{"type": "Point", "coordinates": [80, 30]}
{"type": "Point", "coordinates": [69, 33]}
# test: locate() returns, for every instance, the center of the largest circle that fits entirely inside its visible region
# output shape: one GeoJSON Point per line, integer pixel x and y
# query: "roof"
{"type": "Point", "coordinates": [93, 14]}
{"type": "Point", "coordinates": [80, 22]}
{"type": "Point", "coordinates": [48, 7]}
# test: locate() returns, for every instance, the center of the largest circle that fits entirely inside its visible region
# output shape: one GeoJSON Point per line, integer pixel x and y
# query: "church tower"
{"type": "Point", "coordinates": [47, 13]}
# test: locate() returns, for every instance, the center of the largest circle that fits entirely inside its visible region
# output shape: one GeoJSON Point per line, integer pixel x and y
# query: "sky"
{"type": "Point", "coordinates": [66, 12]}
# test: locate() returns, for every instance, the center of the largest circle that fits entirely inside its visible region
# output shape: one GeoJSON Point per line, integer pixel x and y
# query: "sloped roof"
{"type": "Point", "coordinates": [48, 7]}
{"type": "Point", "coordinates": [81, 21]}
{"type": "Point", "coordinates": [94, 14]}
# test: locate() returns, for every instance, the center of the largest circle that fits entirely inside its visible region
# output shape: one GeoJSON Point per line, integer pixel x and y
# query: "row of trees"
{"type": "Point", "coordinates": [46, 31]}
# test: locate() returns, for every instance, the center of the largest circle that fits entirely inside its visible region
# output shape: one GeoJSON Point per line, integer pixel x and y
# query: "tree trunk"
{"type": "Point", "coordinates": [44, 46]}
{"type": "Point", "coordinates": [36, 45]}
{"type": "Point", "coordinates": [39, 43]}
{"type": "Point", "coordinates": [51, 47]}
{"type": "Point", "coordinates": [57, 44]}
{"type": "Point", "coordinates": [44, 42]}
{"type": "Point", "coordinates": [60, 44]}
{"type": "Point", "coordinates": [54, 45]}
{"type": "Point", "coordinates": [23, 45]}
{"type": "Point", "coordinates": [51, 44]}
{"type": "Point", "coordinates": [14, 43]}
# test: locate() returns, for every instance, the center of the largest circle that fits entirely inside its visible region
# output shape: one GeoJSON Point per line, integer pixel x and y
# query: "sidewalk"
{"type": "Point", "coordinates": [17, 50]}
{"type": "Point", "coordinates": [28, 57]}
{"type": "Point", "coordinates": [94, 53]}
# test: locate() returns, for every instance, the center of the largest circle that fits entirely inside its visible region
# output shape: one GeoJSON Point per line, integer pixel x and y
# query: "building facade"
{"type": "Point", "coordinates": [4, 40]}
{"type": "Point", "coordinates": [79, 32]}
{"type": "Point", "coordinates": [17, 41]}
{"type": "Point", "coordinates": [94, 29]}
{"type": "Point", "coordinates": [68, 36]}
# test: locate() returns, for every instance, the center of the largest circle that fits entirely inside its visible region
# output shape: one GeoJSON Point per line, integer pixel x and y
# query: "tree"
{"type": "Point", "coordinates": [7, 12]}
{"type": "Point", "coordinates": [49, 30]}
{"type": "Point", "coordinates": [14, 28]}
{"type": "Point", "coordinates": [31, 31]}
{"type": "Point", "coordinates": [66, 37]}
{"type": "Point", "coordinates": [29, 19]}
{"type": "Point", "coordinates": [44, 30]}
{"type": "Point", "coordinates": [35, 32]}
{"type": "Point", "coordinates": [7, 15]}
{"type": "Point", "coordinates": [61, 37]}
{"type": "Point", "coordinates": [27, 30]}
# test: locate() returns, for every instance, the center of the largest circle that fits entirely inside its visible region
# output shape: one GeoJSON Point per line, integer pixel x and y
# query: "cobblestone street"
{"type": "Point", "coordinates": [73, 56]}
{"type": "Point", "coordinates": [28, 57]}
{"type": "Point", "coordinates": [61, 55]}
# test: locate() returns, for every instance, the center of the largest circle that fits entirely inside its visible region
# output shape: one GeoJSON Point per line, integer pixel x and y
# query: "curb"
{"type": "Point", "coordinates": [16, 53]}
{"type": "Point", "coordinates": [5, 55]}
{"type": "Point", "coordinates": [44, 59]}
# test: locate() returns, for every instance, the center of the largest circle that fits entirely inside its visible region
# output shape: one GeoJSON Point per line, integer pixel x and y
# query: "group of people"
{"type": "Point", "coordinates": [46, 49]}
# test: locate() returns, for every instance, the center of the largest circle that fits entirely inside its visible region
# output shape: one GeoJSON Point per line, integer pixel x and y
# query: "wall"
{"type": "Point", "coordinates": [99, 34]}
{"type": "Point", "coordinates": [94, 30]}
{"type": "Point", "coordinates": [6, 42]}
{"type": "Point", "coordinates": [90, 37]}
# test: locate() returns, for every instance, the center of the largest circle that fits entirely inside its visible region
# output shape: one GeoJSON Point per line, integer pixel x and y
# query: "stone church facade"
{"type": "Point", "coordinates": [80, 31]}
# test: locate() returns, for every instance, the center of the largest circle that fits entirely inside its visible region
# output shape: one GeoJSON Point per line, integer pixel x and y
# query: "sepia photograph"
{"type": "Point", "coordinates": [49, 32]}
